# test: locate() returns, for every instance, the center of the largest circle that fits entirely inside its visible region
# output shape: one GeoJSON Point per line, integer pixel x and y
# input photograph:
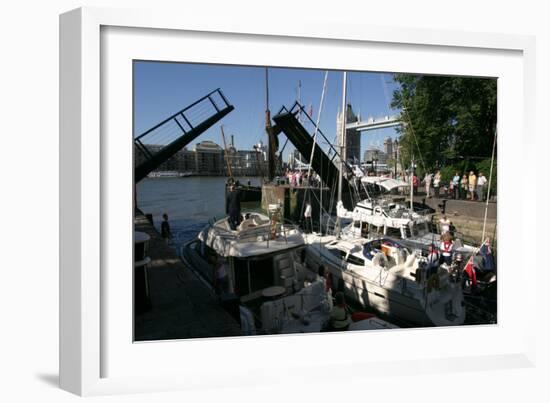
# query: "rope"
{"type": "Point", "coordinates": [489, 188]}
{"type": "Point", "coordinates": [321, 104]}
{"type": "Point", "coordinates": [415, 139]}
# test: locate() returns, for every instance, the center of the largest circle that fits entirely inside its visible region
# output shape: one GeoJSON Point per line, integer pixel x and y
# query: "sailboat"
{"type": "Point", "coordinates": [383, 215]}
{"type": "Point", "coordinates": [384, 274]}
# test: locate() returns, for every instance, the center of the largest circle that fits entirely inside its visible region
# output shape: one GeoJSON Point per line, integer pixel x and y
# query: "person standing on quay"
{"type": "Point", "coordinates": [480, 187]}
{"type": "Point", "coordinates": [437, 181]}
{"type": "Point", "coordinates": [472, 180]}
{"type": "Point", "coordinates": [444, 225]}
{"type": "Point", "coordinates": [165, 231]}
{"type": "Point", "coordinates": [428, 184]}
{"type": "Point", "coordinates": [464, 187]}
{"type": "Point", "coordinates": [456, 185]}
{"type": "Point", "coordinates": [415, 184]}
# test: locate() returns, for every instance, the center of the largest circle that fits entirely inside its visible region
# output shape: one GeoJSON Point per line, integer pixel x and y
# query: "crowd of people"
{"type": "Point", "coordinates": [445, 253]}
{"type": "Point", "coordinates": [302, 178]}
{"type": "Point", "coordinates": [465, 187]}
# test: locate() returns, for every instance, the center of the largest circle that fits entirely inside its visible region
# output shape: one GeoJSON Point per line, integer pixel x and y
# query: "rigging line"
{"type": "Point", "coordinates": [415, 139]}
{"type": "Point", "coordinates": [321, 105]}
{"type": "Point", "coordinates": [489, 187]}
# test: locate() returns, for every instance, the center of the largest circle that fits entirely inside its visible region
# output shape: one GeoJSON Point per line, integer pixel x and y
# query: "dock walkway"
{"type": "Point", "coordinates": [182, 306]}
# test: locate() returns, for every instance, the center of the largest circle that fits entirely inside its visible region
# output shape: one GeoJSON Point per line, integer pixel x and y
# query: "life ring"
{"type": "Point", "coordinates": [378, 210]}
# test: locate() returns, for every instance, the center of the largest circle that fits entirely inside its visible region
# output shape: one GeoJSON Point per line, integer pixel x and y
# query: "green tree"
{"type": "Point", "coordinates": [447, 119]}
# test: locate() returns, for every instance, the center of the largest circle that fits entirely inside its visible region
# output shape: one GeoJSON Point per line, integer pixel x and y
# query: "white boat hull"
{"type": "Point", "coordinates": [404, 300]}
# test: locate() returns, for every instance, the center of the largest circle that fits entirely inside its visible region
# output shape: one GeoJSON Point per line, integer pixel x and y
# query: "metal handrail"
{"type": "Point", "coordinates": [332, 148]}
{"type": "Point", "coordinates": [217, 90]}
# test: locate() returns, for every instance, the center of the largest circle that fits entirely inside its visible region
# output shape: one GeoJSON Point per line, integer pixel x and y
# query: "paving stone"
{"type": "Point", "coordinates": [182, 306]}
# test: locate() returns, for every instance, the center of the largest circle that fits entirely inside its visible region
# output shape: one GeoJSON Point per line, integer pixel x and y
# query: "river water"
{"type": "Point", "coordinates": [189, 202]}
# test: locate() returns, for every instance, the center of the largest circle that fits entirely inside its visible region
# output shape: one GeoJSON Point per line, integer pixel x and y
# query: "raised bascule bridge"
{"type": "Point", "coordinates": [293, 198]}
{"type": "Point", "coordinates": [156, 145]}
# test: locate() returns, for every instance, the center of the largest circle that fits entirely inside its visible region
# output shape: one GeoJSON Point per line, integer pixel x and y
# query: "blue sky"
{"type": "Point", "coordinates": [161, 89]}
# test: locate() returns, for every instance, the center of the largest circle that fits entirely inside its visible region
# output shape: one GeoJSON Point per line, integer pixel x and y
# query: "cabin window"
{"type": "Point", "coordinates": [355, 260]}
{"type": "Point", "coordinates": [364, 229]}
{"type": "Point", "coordinates": [339, 254]}
{"type": "Point", "coordinates": [408, 232]}
{"type": "Point", "coordinates": [423, 228]}
{"type": "Point", "coordinates": [393, 232]}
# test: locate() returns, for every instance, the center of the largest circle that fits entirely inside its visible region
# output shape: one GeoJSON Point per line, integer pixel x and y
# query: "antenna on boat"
{"type": "Point", "coordinates": [342, 144]}
{"type": "Point", "coordinates": [412, 181]}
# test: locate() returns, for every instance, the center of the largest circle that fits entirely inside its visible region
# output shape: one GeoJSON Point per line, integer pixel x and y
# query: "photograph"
{"type": "Point", "coordinates": [272, 200]}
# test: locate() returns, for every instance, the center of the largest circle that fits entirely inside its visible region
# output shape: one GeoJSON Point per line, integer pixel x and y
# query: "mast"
{"type": "Point", "coordinates": [226, 152]}
{"type": "Point", "coordinates": [300, 100]}
{"type": "Point", "coordinates": [342, 144]}
{"type": "Point", "coordinates": [412, 181]}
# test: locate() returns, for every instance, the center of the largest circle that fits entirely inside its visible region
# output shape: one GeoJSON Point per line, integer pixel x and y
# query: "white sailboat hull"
{"type": "Point", "coordinates": [399, 298]}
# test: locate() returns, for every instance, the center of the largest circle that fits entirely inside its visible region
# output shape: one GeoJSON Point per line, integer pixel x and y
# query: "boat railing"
{"type": "Point", "coordinates": [263, 230]}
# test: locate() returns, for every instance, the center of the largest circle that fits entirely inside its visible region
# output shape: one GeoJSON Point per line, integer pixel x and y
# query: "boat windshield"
{"type": "Point", "coordinates": [414, 229]}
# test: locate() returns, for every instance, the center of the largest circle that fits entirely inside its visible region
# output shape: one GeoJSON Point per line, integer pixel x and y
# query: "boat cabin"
{"type": "Point", "coordinates": [261, 254]}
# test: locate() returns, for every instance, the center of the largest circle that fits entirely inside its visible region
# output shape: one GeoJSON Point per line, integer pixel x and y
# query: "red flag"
{"type": "Point", "coordinates": [470, 271]}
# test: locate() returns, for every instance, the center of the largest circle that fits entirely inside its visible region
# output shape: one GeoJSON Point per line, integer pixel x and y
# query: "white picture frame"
{"type": "Point", "coordinates": [96, 354]}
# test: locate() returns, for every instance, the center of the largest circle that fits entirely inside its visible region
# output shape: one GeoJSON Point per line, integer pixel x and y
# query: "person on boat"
{"type": "Point", "coordinates": [324, 274]}
{"type": "Point", "coordinates": [487, 253]}
{"type": "Point", "coordinates": [247, 222]}
{"type": "Point", "coordinates": [480, 186]}
{"type": "Point", "coordinates": [415, 184]}
{"type": "Point", "coordinates": [457, 268]}
{"type": "Point", "coordinates": [307, 218]}
{"type": "Point", "coordinates": [340, 319]}
{"type": "Point", "coordinates": [432, 262]}
{"type": "Point", "coordinates": [437, 181]}
{"type": "Point", "coordinates": [446, 248]}
{"type": "Point", "coordinates": [456, 184]}
{"type": "Point", "coordinates": [472, 180]}
{"type": "Point", "coordinates": [165, 231]}
{"type": "Point", "coordinates": [233, 207]}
